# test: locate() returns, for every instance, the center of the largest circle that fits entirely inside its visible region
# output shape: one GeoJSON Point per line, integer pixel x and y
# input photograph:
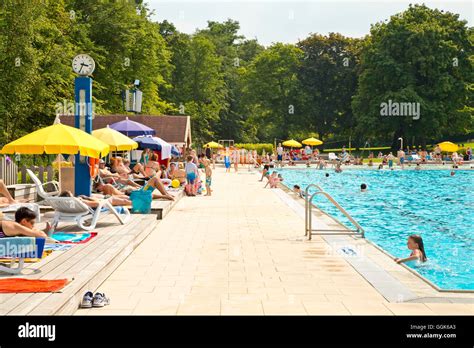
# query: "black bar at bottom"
{"type": "Point", "coordinates": [328, 330]}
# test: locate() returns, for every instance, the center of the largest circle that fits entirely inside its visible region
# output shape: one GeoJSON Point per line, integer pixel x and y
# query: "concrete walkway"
{"type": "Point", "coordinates": [241, 252]}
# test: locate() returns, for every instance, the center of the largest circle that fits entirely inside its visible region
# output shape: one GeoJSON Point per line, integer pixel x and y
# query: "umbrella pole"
{"type": "Point", "coordinates": [59, 171]}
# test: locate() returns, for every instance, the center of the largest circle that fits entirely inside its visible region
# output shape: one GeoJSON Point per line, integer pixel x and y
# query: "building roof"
{"type": "Point", "coordinates": [173, 129]}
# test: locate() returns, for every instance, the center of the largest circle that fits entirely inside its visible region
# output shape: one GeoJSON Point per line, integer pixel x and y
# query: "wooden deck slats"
{"type": "Point", "coordinates": [85, 265]}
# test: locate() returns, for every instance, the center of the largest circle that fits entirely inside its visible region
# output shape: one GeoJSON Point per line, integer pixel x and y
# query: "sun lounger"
{"type": "Point", "coordinates": [73, 209]}
{"type": "Point", "coordinates": [19, 249]}
{"type": "Point", "coordinates": [9, 212]}
{"type": "Point", "coordinates": [40, 186]}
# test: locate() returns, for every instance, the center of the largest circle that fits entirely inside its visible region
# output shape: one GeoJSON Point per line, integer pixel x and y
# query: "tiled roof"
{"type": "Point", "coordinates": [173, 129]}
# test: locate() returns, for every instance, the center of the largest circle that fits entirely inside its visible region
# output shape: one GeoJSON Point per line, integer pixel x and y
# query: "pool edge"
{"type": "Point", "coordinates": [286, 189]}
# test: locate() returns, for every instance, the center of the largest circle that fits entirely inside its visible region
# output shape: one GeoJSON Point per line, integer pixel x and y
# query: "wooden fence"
{"type": "Point", "coordinates": [8, 171]}
{"type": "Point", "coordinates": [44, 174]}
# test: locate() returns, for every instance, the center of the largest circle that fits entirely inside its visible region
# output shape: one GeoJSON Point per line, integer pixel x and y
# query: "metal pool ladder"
{"type": "Point", "coordinates": [359, 231]}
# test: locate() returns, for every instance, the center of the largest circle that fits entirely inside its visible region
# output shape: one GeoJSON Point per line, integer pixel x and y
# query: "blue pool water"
{"type": "Point", "coordinates": [403, 202]}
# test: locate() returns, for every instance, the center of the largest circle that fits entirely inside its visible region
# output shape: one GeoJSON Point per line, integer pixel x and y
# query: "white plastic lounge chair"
{"type": "Point", "coordinates": [332, 156]}
{"type": "Point", "coordinates": [9, 212]}
{"type": "Point", "coordinates": [19, 248]}
{"type": "Point", "coordinates": [74, 210]}
{"type": "Point", "coordinates": [40, 186]}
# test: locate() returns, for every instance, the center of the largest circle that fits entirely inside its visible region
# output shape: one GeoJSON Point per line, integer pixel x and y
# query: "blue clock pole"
{"type": "Point", "coordinates": [83, 121]}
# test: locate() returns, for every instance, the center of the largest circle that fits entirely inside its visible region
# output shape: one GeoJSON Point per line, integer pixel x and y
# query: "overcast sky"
{"type": "Point", "coordinates": [290, 20]}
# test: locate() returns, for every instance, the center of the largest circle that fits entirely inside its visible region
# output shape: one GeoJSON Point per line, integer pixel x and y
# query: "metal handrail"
{"type": "Point", "coordinates": [306, 205]}
{"type": "Point", "coordinates": [309, 215]}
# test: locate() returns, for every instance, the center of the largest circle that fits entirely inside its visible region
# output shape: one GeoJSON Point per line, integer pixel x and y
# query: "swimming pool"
{"type": "Point", "coordinates": [402, 202]}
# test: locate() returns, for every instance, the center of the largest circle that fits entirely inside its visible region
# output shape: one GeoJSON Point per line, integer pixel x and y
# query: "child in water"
{"type": "Point", "coordinates": [415, 244]}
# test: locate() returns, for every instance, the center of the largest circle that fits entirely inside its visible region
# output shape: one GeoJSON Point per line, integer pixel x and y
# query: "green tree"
{"type": "Point", "coordinates": [197, 83]}
{"type": "Point", "coordinates": [419, 56]}
{"type": "Point", "coordinates": [271, 92]}
{"type": "Point", "coordinates": [35, 73]}
{"type": "Point", "coordinates": [328, 77]}
{"type": "Point", "coordinates": [127, 45]}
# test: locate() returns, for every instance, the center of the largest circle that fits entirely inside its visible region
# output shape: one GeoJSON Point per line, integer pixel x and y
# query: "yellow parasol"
{"type": "Point", "coordinates": [291, 143]}
{"type": "Point", "coordinates": [312, 142]}
{"type": "Point", "coordinates": [58, 139]}
{"type": "Point", "coordinates": [213, 145]}
{"type": "Point", "coordinates": [116, 140]}
{"type": "Point", "coordinates": [448, 146]}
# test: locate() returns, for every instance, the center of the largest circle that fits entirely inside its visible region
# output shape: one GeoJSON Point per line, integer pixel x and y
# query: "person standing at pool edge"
{"type": "Point", "coordinates": [279, 154]}
{"type": "Point", "coordinates": [415, 244]}
{"type": "Point", "coordinates": [401, 158]}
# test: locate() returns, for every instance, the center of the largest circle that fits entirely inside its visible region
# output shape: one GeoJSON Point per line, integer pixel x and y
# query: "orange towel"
{"type": "Point", "coordinates": [16, 285]}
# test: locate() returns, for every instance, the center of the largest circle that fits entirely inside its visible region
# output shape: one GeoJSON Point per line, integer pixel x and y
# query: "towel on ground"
{"type": "Point", "coordinates": [58, 247]}
{"type": "Point", "coordinates": [74, 238]}
{"type": "Point", "coordinates": [17, 285]}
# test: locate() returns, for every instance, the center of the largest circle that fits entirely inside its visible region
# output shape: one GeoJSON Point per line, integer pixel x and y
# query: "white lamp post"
{"type": "Point", "coordinates": [401, 144]}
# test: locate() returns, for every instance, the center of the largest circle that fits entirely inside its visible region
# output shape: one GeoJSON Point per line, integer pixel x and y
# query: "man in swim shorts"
{"type": "Point", "coordinates": [207, 168]}
{"type": "Point", "coordinates": [279, 154]}
{"type": "Point", "coordinates": [191, 174]}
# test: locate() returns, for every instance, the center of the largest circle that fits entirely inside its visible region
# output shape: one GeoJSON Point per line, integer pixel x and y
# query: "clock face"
{"type": "Point", "coordinates": [83, 64]}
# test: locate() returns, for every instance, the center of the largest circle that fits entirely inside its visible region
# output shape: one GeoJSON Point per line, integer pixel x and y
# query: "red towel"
{"type": "Point", "coordinates": [16, 285]}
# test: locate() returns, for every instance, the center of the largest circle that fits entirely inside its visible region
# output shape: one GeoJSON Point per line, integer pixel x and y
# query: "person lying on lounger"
{"type": "Point", "coordinates": [6, 198]}
{"type": "Point", "coordinates": [138, 170]}
{"type": "Point", "coordinates": [93, 202]}
{"type": "Point", "coordinates": [23, 226]}
{"type": "Point", "coordinates": [117, 177]}
{"type": "Point", "coordinates": [154, 182]}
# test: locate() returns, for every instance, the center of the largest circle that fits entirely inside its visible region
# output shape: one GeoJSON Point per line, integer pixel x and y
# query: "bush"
{"type": "Point", "coordinates": [259, 147]}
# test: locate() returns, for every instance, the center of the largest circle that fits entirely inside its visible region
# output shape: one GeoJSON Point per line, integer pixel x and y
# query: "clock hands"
{"type": "Point", "coordinates": [83, 65]}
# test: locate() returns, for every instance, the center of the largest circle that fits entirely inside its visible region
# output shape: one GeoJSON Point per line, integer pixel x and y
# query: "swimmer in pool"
{"type": "Point", "coordinates": [363, 188]}
{"type": "Point", "coordinates": [415, 244]}
{"type": "Point", "coordinates": [298, 191]}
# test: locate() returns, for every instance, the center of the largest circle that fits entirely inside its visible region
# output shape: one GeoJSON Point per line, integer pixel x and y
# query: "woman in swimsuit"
{"type": "Point", "coordinates": [152, 167]}
{"type": "Point", "coordinates": [24, 225]}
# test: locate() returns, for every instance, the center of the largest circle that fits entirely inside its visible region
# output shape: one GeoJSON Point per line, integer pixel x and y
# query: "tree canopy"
{"type": "Point", "coordinates": [329, 86]}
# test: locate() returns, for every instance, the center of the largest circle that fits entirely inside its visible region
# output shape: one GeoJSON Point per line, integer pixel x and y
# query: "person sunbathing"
{"type": "Point", "coordinates": [93, 201]}
{"type": "Point", "coordinates": [153, 166]}
{"type": "Point", "coordinates": [23, 226]}
{"type": "Point", "coordinates": [154, 182]}
{"type": "Point", "coordinates": [6, 198]}
{"type": "Point", "coordinates": [110, 177]}
{"type": "Point", "coordinates": [176, 173]}
{"type": "Point", "coordinates": [138, 170]}
{"type": "Point", "coordinates": [123, 169]}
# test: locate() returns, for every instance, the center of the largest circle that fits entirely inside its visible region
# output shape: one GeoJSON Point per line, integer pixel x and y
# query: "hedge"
{"type": "Point", "coordinates": [259, 147]}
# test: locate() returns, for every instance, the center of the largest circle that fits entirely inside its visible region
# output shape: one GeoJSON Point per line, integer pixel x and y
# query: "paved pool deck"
{"type": "Point", "coordinates": [242, 252]}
